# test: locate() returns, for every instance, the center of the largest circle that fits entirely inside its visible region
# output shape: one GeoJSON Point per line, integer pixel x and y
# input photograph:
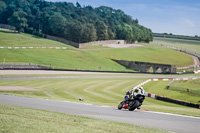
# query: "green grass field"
{"type": "Point", "coordinates": [96, 91]}
{"type": "Point", "coordinates": [93, 60]}
{"type": "Point", "coordinates": [21, 120]}
{"type": "Point", "coordinates": [149, 53]}
{"type": "Point", "coordinates": [183, 44]}
{"type": "Point", "coordinates": [62, 59]}
{"type": "Point", "coordinates": [82, 59]}
{"type": "Point", "coordinates": [11, 39]}
{"type": "Point", "coordinates": [177, 90]}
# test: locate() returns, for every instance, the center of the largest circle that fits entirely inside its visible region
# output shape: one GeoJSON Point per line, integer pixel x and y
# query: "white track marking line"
{"type": "Point", "coordinates": [165, 79]}
{"type": "Point", "coordinates": [173, 114]}
{"type": "Point", "coordinates": [35, 47]}
{"type": "Point", "coordinates": [104, 106]}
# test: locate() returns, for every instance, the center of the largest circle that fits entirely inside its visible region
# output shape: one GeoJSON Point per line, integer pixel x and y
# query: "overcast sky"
{"type": "Point", "coordinates": [180, 17]}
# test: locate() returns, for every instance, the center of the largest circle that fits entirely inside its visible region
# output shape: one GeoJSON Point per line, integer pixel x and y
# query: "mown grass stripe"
{"type": "Point", "coordinates": [91, 90]}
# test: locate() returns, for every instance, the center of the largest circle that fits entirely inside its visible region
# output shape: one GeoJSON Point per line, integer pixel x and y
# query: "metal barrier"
{"type": "Point", "coordinates": [22, 66]}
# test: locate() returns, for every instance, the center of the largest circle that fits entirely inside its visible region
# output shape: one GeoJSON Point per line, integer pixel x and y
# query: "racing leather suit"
{"type": "Point", "coordinates": [136, 92]}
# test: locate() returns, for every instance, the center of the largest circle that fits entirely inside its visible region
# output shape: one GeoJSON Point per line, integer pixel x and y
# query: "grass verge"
{"type": "Point", "coordinates": [21, 119]}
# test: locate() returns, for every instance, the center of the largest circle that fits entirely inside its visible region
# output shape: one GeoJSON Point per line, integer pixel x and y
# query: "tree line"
{"type": "Point", "coordinates": [72, 22]}
{"type": "Point", "coordinates": [170, 35]}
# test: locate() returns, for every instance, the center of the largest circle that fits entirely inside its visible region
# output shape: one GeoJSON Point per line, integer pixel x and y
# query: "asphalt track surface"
{"type": "Point", "coordinates": [163, 121]}
{"type": "Point", "coordinates": [90, 77]}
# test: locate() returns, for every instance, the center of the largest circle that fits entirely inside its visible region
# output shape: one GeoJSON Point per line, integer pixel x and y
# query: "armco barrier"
{"type": "Point", "coordinates": [22, 66]}
{"type": "Point", "coordinates": [165, 99]}
{"type": "Point", "coordinates": [169, 99]}
{"type": "Point", "coordinates": [197, 71]}
{"type": "Point", "coordinates": [178, 102]}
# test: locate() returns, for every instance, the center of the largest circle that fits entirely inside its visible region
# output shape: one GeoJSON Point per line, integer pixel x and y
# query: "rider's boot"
{"type": "Point", "coordinates": [139, 106]}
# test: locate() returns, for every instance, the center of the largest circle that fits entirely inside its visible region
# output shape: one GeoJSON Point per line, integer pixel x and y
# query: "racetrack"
{"type": "Point", "coordinates": [77, 75]}
{"type": "Point", "coordinates": [164, 121]}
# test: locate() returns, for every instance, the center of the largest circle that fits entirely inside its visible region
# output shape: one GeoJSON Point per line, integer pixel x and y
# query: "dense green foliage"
{"type": "Point", "coordinates": [72, 22]}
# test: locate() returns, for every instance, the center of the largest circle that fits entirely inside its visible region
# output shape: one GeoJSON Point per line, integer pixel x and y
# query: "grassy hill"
{"type": "Point", "coordinates": [81, 59]}
{"type": "Point", "coordinates": [183, 44]}
{"type": "Point", "coordinates": [148, 53]}
{"type": "Point", "coordinates": [11, 39]}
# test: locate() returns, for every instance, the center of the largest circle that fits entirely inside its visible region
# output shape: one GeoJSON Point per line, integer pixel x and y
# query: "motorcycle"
{"type": "Point", "coordinates": [132, 103]}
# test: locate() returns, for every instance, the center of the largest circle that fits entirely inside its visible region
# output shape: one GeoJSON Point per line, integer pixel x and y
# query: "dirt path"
{"type": "Point", "coordinates": [38, 72]}
{"type": "Point", "coordinates": [123, 45]}
{"type": "Point", "coordinates": [196, 63]}
{"type": "Point", "coordinates": [16, 88]}
{"type": "Point", "coordinates": [113, 46]}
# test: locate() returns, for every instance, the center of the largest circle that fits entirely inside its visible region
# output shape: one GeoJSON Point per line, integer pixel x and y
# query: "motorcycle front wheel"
{"type": "Point", "coordinates": [133, 105]}
{"type": "Point", "coordinates": [120, 106]}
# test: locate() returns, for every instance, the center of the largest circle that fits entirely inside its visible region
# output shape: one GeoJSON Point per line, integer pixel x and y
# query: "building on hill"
{"type": "Point", "coordinates": [5, 26]}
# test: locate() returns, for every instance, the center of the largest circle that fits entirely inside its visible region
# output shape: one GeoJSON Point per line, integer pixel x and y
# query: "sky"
{"type": "Point", "coordinates": [179, 17]}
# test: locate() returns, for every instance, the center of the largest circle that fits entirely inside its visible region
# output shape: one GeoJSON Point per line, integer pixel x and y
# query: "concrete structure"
{"type": "Point", "coordinates": [145, 66]}
{"type": "Point", "coordinates": [23, 66]}
{"type": "Point", "coordinates": [82, 45]}
{"type": "Point", "coordinates": [62, 40]}
{"type": "Point", "coordinates": [104, 42]}
{"type": "Point", "coordinates": [5, 26]}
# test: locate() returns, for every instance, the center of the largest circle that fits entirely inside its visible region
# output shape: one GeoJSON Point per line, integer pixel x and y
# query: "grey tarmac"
{"type": "Point", "coordinates": [163, 121]}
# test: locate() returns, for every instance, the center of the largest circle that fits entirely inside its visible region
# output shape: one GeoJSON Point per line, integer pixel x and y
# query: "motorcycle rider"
{"type": "Point", "coordinates": [139, 92]}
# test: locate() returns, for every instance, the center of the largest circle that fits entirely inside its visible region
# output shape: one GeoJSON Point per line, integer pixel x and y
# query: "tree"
{"type": "Point", "coordinates": [18, 20]}
{"type": "Point", "coordinates": [78, 5]}
{"type": "Point", "coordinates": [2, 10]}
{"type": "Point", "coordinates": [124, 31]}
{"type": "Point", "coordinates": [89, 33]}
{"type": "Point", "coordinates": [102, 30]}
{"type": "Point", "coordinates": [135, 34]}
{"type": "Point", "coordinates": [111, 34]}
{"type": "Point", "coordinates": [2, 6]}
{"type": "Point", "coordinates": [8, 12]}
{"type": "Point", "coordinates": [57, 24]}
{"type": "Point", "coordinates": [136, 21]}
{"type": "Point", "coordinates": [76, 31]}
{"type": "Point", "coordinates": [73, 22]}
